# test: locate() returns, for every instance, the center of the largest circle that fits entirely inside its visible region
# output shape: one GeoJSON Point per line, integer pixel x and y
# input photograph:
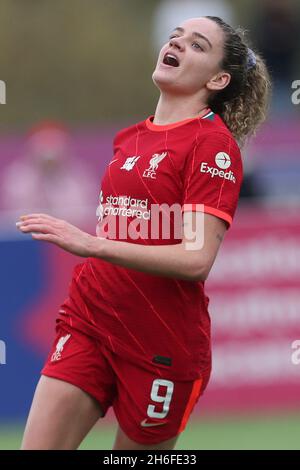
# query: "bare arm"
{"type": "Point", "coordinates": [177, 261]}
{"type": "Point", "coordinates": [191, 259]}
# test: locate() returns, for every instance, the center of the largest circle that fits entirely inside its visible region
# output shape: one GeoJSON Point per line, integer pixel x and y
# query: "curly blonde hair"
{"type": "Point", "coordinates": [243, 104]}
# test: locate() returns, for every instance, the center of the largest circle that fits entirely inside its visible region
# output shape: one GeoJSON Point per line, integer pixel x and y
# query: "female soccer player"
{"type": "Point", "coordinates": [134, 332]}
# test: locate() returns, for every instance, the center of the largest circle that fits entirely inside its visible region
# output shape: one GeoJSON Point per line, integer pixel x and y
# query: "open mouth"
{"type": "Point", "coordinates": [171, 60]}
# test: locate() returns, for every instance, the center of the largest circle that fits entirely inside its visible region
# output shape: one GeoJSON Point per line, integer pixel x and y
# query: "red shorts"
{"type": "Point", "coordinates": [150, 407]}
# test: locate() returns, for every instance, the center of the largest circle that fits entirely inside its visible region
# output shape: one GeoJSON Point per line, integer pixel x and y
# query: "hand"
{"type": "Point", "coordinates": [61, 233]}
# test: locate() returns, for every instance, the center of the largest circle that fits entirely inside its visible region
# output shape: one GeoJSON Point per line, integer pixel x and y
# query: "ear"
{"type": "Point", "coordinates": [219, 81]}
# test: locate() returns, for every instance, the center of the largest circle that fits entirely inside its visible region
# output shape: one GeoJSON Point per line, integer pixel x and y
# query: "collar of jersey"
{"type": "Point", "coordinates": [156, 127]}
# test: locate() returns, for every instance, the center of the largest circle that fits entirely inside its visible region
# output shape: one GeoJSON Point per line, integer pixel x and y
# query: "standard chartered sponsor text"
{"type": "Point", "coordinates": [127, 206]}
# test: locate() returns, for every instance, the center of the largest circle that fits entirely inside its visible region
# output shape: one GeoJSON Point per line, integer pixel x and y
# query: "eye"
{"type": "Point", "coordinates": [173, 36]}
{"type": "Point", "coordinates": [197, 46]}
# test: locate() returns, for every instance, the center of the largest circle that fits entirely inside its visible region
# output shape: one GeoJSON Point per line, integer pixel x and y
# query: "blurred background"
{"type": "Point", "coordinates": [75, 73]}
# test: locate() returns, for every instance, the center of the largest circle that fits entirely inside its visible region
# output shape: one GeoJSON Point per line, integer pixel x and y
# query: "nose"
{"type": "Point", "coordinates": [177, 42]}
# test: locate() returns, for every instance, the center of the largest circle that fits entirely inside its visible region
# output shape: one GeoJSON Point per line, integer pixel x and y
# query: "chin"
{"type": "Point", "coordinates": [163, 82]}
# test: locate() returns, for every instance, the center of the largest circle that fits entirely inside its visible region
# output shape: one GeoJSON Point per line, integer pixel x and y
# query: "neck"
{"type": "Point", "coordinates": [172, 109]}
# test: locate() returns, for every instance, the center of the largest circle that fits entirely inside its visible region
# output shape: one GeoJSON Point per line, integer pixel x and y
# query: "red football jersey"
{"type": "Point", "coordinates": [195, 165]}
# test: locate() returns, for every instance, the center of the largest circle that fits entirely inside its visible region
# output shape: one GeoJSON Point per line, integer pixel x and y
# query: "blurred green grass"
{"type": "Point", "coordinates": [229, 433]}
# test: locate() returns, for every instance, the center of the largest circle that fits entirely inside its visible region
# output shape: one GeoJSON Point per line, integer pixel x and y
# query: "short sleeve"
{"type": "Point", "coordinates": [213, 176]}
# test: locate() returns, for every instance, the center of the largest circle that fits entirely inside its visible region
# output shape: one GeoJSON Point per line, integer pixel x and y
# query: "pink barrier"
{"type": "Point", "coordinates": [255, 311]}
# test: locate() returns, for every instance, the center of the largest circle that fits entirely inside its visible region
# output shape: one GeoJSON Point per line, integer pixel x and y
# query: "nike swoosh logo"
{"type": "Point", "coordinates": [145, 424]}
{"type": "Point", "coordinates": [113, 161]}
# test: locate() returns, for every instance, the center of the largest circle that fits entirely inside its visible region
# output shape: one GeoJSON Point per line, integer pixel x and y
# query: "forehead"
{"type": "Point", "coordinates": [207, 27]}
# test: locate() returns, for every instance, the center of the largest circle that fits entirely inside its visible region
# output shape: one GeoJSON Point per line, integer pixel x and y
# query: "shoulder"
{"type": "Point", "coordinates": [215, 151]}
{"type": "Point", "coordinates": [129, 131]}
{"type": "Point", "coordinates": [214, 136]}
{"type": "Point", "coordinates": [217, 139]}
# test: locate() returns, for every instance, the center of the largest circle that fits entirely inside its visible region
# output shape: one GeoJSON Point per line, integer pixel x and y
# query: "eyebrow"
{"type": "Point", "coordinates": [196, 34]}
